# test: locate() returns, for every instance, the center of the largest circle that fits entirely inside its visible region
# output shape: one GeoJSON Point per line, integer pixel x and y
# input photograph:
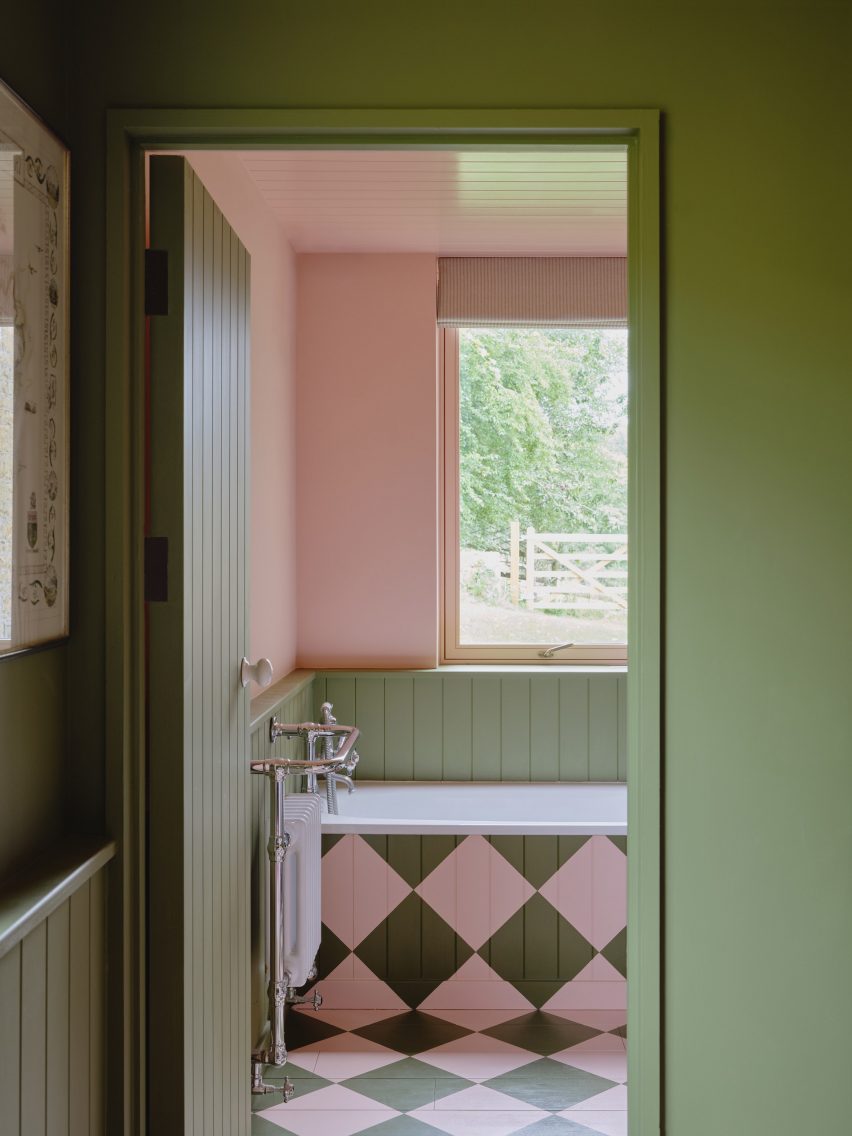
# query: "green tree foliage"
{"type": "Point", "coordinates": [542, 432]}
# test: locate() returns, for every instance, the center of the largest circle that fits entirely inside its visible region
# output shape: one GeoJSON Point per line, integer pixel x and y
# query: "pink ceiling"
{"type": "Point", "coordinates": [542, 202]}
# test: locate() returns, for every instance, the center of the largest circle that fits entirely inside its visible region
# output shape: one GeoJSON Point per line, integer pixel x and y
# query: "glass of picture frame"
{"type": "Point", "coordinates": [34, 327]}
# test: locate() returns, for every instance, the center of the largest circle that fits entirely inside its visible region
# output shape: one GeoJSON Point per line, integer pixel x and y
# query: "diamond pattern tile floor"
{"type": "Point", "coordinates": [417, 1074]}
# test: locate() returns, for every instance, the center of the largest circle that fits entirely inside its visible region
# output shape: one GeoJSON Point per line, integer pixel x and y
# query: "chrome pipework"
{"type": "Point", "coordinates": [332, 778]}
{"type": "Point", "coordinates": [259, 1087]}
{"type": "Point", "coordinates": [311, 733]}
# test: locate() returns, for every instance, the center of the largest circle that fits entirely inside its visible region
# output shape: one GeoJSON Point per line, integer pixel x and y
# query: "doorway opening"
{"type": "Point", "coordinates": [474, 1089]}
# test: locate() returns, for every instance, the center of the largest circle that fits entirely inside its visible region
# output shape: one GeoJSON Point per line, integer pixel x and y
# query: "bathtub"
{"type": "Point", "coordinates": [485, 808]}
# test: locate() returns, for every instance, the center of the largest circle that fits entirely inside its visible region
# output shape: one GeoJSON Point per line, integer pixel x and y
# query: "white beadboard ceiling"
{"type": "Point", "coordinates": [522, 202]}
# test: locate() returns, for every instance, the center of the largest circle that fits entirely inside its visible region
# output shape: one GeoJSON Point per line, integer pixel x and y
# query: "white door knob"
{"type": "Point", "coordinates": [259, 672]}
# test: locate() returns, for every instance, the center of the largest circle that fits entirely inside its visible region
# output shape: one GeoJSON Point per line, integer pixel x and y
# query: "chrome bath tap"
{"type": "Point", "coordinates": [332, 777]}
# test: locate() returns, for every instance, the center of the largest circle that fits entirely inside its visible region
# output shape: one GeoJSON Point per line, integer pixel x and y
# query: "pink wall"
{"type": "Point", "coordinates": [272, 629]}
{"type": "Point", "coordinates": [367, 459]}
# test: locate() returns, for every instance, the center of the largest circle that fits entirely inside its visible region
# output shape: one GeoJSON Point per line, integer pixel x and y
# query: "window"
{"type": "Point", "coordinates": [535, 474]}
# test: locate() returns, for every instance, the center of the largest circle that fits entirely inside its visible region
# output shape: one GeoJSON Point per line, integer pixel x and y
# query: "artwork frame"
{"type": "Point", "coordinates": [34, 380]}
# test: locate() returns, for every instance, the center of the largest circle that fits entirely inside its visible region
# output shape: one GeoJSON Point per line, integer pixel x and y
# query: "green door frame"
{"type": "Point", "coordinates": [130, 133]}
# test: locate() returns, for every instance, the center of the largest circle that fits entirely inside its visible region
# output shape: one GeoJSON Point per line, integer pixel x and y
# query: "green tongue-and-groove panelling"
{"type": "Point", "coordinates": [479, 724]}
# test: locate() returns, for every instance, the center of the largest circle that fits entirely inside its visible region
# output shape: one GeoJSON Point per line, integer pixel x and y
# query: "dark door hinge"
{"type": "Point", "coordinates": [156, 282]}
{"type": "Point", "coordinates": [156, 569]}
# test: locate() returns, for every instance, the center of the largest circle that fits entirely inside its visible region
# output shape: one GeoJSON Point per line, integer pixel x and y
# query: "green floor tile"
{"type": "Point", "coordinates": [541, 1033]}
{"type": "Point", "coordinates": [556, 1126]}
{"type": "Point", "coordinates": [550, 1085]}
{"type": "Point", "coordinates": [401, 1093]}
{"type": "Point", "coordinates": [260, 1126]}
{"type": "Point", "coordinates": [409, 1068]}
{"type": "Point", "coordinates": [400, 1126]}
{"type": "Point", "coordinates": [412, 1032]}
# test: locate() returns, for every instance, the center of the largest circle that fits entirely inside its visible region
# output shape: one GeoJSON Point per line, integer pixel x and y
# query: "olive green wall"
{"type": "Point", "coordinates": [756, 99]}
{"type": "Point", "coordinates": [32, 687]}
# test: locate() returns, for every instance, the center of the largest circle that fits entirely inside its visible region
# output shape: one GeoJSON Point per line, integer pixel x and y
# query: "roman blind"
{"type": "Point", "coordinates": [532, 291]}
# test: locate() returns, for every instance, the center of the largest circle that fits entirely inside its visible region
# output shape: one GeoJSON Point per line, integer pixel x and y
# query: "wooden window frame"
{"type": "Point", "coordinates": [452, 649]}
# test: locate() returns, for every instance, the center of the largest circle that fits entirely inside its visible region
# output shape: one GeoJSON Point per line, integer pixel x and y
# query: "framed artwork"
{"type": "Point", "coordinates": [34, 321]}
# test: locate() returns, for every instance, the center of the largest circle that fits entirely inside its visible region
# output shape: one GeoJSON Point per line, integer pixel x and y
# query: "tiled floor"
{"type": "Point", "coordinates": [463, 1073]}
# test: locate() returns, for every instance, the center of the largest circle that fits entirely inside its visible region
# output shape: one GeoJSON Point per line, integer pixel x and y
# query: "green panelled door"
{"type": "Point", "coordinates": [198, 1044]}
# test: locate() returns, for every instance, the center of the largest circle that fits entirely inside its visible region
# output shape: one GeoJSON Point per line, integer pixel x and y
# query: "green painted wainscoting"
{"type": "Point", "coordinates": [52, 999]}
{"type": "Point", "coordinates": [483, 723]}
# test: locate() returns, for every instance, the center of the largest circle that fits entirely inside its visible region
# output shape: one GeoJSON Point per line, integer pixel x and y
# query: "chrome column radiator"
{"type": "Point", "coordinates": [299, 930]}
{"type": "Point", "coordinates": [295, 891]}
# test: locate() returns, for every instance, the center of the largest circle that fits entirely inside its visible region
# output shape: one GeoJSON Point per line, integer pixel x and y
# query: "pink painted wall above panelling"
{"type": "Point", "coordinates": [366, 453]}
{"type": "Point", "coordinates": [272, 630]}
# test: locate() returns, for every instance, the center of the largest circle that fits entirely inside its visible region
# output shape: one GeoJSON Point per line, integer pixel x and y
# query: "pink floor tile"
{"type": "Point", "coordinates": [482, 1099]}
{"type": "Point", "coordinates": [477, 1057]}
{"type": "Point", "coordinates": [479, 1123]}
{"type": "Point", "coordinates": [348, 1055]}
{"type": "Point", "coordinates": [613, 1066]}
{"type": "Point", "coordinates": [333, 1098]}
{"type": "Point", "coordinates": [600, 1043]}
{"type": "Point", "coordinates": [607, 1123]}
{"type": "Point", "coordinates": [332, 1123]}
{"type": "Point", "coordinates": [303, 1059]}
{"type": "Point", "coordinates": [613, 1100]}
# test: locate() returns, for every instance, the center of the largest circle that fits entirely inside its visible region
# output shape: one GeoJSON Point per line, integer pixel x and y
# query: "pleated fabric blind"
{"type": "Point", "coordinates": [532, 291]}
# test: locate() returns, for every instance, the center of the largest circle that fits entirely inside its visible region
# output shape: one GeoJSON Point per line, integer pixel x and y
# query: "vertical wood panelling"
{"type": "Point", "coordinates": [52, 1069]}
{"type": "Point", "coordinates": [486, 740]}
{"type": "Point", "coordinates": [57, 1029]}
{"type": "Point", "coordinates": [340, 691]}
{"type": "Point", "coordinates": [458, 739]}
{"type": "Point", "coordinates": [428, 727]}
{"type": "Point", "coordinates": [97, 975]}
{"type": "Point", "coordinates": [544, 728]}
{"type": "Point", "coordinates": [10, 1042]}
{"type": "Point", "coordinates": [79, 1113]}
{"type": "Point", "coordinates": [573, 729]}
{"type": "Point", "coordinates": [368, 709]}
{"type": "Point", "coordinates": [33, 1026]}
{"type": "Point", "coordinates": [515, 727]}
{"type": "Point", "coordinates": [199, 825]}
{"type": "Point", "coordinates": [399, 727]}
{"type": "Point", "coordinates": [537, 727]}
{"type": "Point", "coordinates": [603, 729]}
